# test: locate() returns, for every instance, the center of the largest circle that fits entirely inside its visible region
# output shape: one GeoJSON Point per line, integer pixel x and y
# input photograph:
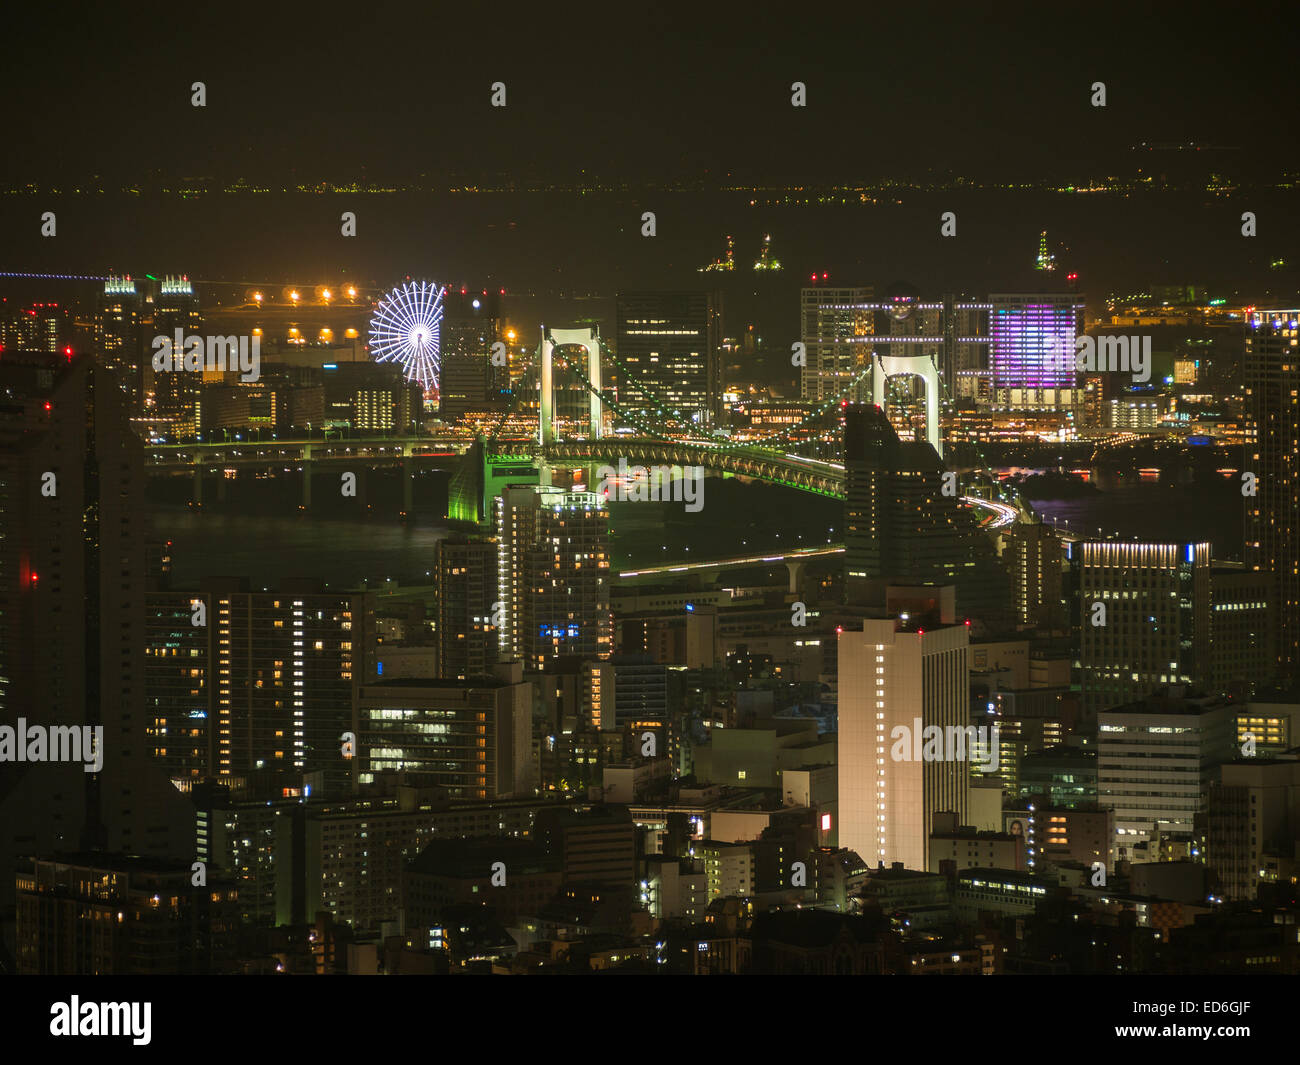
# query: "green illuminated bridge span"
{"type": "Point", "coordinates": [774, 467]}
{"type": "Point", "coordinates": [792, 471]}
{"type": "Point", "coordinates": [478, 467]}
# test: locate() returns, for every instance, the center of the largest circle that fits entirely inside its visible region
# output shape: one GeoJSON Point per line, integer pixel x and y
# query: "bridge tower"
{"type": "Point", "coordinates": [551, 339]}
{"type": "Point", "coordinates": [886, 366]}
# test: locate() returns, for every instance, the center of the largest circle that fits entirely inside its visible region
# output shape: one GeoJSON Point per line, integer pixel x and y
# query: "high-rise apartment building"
{"type": "Point", "coordinates": [37, 327]}
{"type": "Point", "coordinates": [671, 343]}
{"type": "Point", "coordinates": [284, 666]}
{"type": "Point", "coordinates": [553, 574]}
{"type": "Point", "coordinates": [1033, 555]}
{"type": "Point", "coordinates": [467, 592]}
{"type": "Point", "coordinates": [176, 678]}
{"type": "Point", "coordinates": [73, 535]}
{"type": "Point", "coordinates": [897, 676]}
{"type": "Point", "coordinates": [1272, 544]}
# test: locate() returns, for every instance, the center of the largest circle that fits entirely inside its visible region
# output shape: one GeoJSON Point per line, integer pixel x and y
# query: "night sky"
{"type": "Point", "coordinates": [663, 109]}
{"type": "Point", "coordinates": [639, 94]}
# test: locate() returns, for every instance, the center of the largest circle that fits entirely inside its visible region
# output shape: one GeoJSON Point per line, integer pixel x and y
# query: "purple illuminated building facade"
{"type": "Point", "coordinates": [1032, 339]}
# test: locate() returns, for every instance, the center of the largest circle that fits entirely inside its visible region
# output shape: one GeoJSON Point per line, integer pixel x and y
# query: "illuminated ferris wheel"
{"type": "Point", "coordinates": [407, 329]}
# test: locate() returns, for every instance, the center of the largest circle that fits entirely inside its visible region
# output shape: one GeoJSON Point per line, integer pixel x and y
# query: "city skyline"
{"type": "Point", "coordinates": [669, 492]}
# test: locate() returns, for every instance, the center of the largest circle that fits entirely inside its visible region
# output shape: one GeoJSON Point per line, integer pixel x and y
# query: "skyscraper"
{"type": "Point", "coordinates": [72, 616]}
{"type": "Point", "coordinates": [553, 574]}
{"type": "Point", "coordinates": [671, 343]}
{"type": "Point", "coordinates": [1272, 543]}
{"type": "Point", "coordinates": [1144, 611]}
{"type": "Point", "coordinates": [117, 337]}
{"type": "Point", "coordinates": [901, 528]}
{"type": "Point", "coordinates": [894, 675]}
{"type": "Point", "coordinates": [284, 666]}
{"type": "Point", "coordinates": [1032, 345]}
{"type": "Point", "coordinates": [176, 678]}
{"type": "Point", "coordinates": [467, 590]}
{"type": "Point", "coordinates": [836, 328]}
{"type": "Point", "coordinates": [175, 394]}
{"type": "Point", "coordinates": [1033, 555]}
{"type": "Point", "coordinates": [468, 380]}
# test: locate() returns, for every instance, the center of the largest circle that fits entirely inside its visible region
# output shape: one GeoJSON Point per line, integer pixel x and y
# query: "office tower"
{"type": "Point", "coordinates": [467, 590]}
{"type": "Point", "coordinates": [1250, 827]}
{"type": "Point", "coordinates": [373, 396]}
{"type": "Point", "coordinates": [553, 575]}
{"type": "Point", "coordinates": [468, 380]}
{"type": "Point", "coordinates": [1032, 350]}
{"type": "Point", "coordinates": [73, 534]}
{"type": "Point", "coordinates": [844, 329]}
{"type": "Point", "coordinates": [671, 342]}
{"type": "Point", "coordinates": [901, 528]}
{"type": "Point", "coordinates": [176, 678]}
{"type": "Point", "coordinates": [1034, 555]}
{"type": "Point", "coordinates": [966, 339]}
{"type": "Point", "coordinates": [1272, 381]}
{"type": "Point", "coordinates": [836, 330]}
{"type": "Point", "coordinates": [1242, 645]}
{"type": "Point", "coordinates": [118, 341]}
{"type": "Point", "coordinates": [1155, 761]}
{"type": "Point", "coordinates": [175, 394]}
{"type": "Point", "coordinates": [1060, 776]}
{"type": "Point", "coordinates": [284, 666]}
{"type": "Point", "coordinates": [472, 737]}
{"type": "Point", "coordinates": [893, 676]}
{"type": "Point", "coordinates": [256, 405]}
{"type": "Point", "coordinates": [1144, 614]}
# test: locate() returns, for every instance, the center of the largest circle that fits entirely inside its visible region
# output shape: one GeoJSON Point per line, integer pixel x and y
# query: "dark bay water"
{"type": "Point", "coordinates": [259, 534]}
{"type": "Point", "coordinates": [1162, 511]}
